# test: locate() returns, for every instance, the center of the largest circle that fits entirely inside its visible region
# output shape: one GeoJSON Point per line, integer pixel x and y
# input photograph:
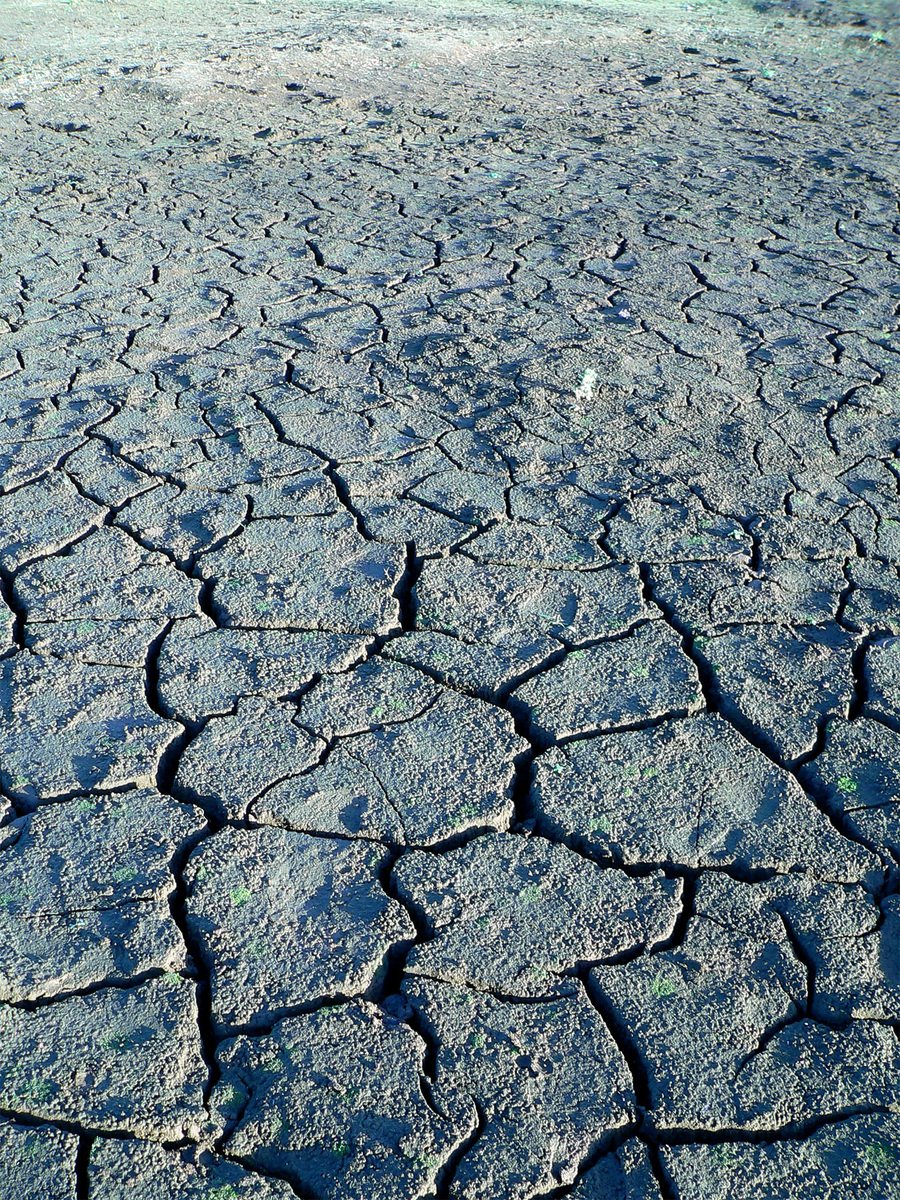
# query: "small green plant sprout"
{"type": "Point", "coordinates": [278, 1129]}
{"type": "Point", "coordinates": [13, 895]}
{"type": "Point", "coordinates": [723, 1155]}
{"type": "Point", "coordinates": [341, 1149]}
{"type": "Point", "coordinates": [469, 811]}
{"type": "Point", "coordinates": [124, 874]}
{"type": "Point", "coordinates": [263, 607]}
{"type": "Point", "coordinates": [118, 1042]}
{"type": "Point", "coordinates": [848, 785]}
{"type": "Point", "coordinates": [531, 893]}
{"type": "Point", "coordinates": [881, 1157]}
{"type": "Point", "coordinates": [225, 1192]}
{"type": "Point", "coordinates": [878, 38]}
{"type": "Point", "coordinates": [239, 896]}
{"type": "Point", "coordinates": [662, 988]}
{"type": "Point", "coordinates": [601, 825]}
{"type": "Point", "coordinates": [171, 979]}
{"type": "Point", "coordinates": [427, 1162]}
{"type": "Point", "coordinates": [231, 1097]}
{"type": "Point", "coordinates": [348, 1095]}
{"type": "Point", "coordinates": [546, 616]}
{"type": "Point", "coordinates": [476, 1041]}
{"type": "Point", "coordinates": [640, 671]}
{"type": "Point", "coordinates": [38, 1089]}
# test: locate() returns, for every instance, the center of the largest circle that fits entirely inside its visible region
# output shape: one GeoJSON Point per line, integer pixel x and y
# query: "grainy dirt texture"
{"type": "Point", "coordinates": [450, 619]}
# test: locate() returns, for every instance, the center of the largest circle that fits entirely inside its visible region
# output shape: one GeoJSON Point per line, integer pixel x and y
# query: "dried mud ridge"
{"type": "Point", "coordinates": [449, 538]}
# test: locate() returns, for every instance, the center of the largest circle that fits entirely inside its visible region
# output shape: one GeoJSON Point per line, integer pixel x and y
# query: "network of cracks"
{"type": "Point", "coordinates": [450, 672]}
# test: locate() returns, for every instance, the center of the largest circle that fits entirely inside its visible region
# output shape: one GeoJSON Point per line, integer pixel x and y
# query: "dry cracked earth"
{"type": "Point", "coordinates": [450, 672]}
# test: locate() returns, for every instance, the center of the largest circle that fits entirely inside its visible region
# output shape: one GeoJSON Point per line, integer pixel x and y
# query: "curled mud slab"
{"type": "Point", "coordinates": [449, 603]}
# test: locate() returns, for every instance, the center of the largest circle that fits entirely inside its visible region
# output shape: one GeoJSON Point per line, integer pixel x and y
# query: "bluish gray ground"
{"type": "Point", "coordinates": [450, 663]}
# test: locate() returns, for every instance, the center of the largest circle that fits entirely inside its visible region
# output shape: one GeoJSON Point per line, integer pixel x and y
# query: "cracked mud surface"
{"type": "Point", "coordinates": [450, 614]}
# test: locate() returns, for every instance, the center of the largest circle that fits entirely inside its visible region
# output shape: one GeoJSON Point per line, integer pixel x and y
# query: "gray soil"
{"type": "Point", "coordinates": [449, 600]}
